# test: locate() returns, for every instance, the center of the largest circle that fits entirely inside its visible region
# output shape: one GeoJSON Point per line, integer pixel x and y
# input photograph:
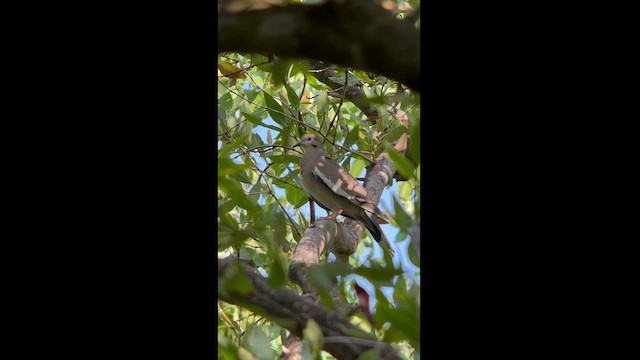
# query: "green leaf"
{"type": "Point", "coordinates": [401, 217]}
{"type": "Point", "coordinates": [228, 220]}
{"type": "Point", "coordinates": [294, 195]}
{"type": "Point", "coordinates": [260, 259]}
{"type": "Point", "coordinates": [233, 188]}
{"type": "Point", "coordinates": [243, 177]}
{"type": "Point", "coordinates": [357, 167]}
{"type": "Point", "coordinates": [413, 255]}
{"type": "Point", "coordinates": [405, 320]}
{"type": "Point", "coordinates": [296, 235]}
{"type": "Point", "coordinates": [279, 71]}
{"type": "Point", "coordinates": [400, 290]}
{"type": "Point", "coordinates": [363, 76]}
{"type": "Point", "coordinates": [228, 167]}
{"type": "Point", "coordinates": [395, 133]}
{"type": "Point", "coordinates": [413, 150]}
{"type": "Point", "coordinates": [278, 225]}
{"type": "Point", "coordinates": [346, 164]}
{"type": "Point", "coordinates": [378, 275]}
{"type": "Point", "coordinates": [353, 136]}
{"type": "Point", "coordinates": [234, 280]}
{"type": "Point", "coordinates": [259, 343]}
{"type": "Point", "coordinates": [257, 59]}
{"type": "Point", "coordinates": [404, 191]}
{"type": "Point", "coordinates": [392, 334]}
{"type": "Point", "coordinates": [226, 101]}
{"type": "Point", "coordinates": [313, 333]}
{"type": "Point", "coordinates": [245, 129]}
{"type": "Point", "coordinates": [279, 268]}
{"type": "Point", "coordinates": [322, 107]}
{"type": "Point", "coordinates": [253, 119]}
{"type": "Point", "coordinates": [293, 97]}
{"type": "Point", "coordinates": [226, 348]}
{"type": "Point", "coordinates": [310, 120]}
{"type": "Point", "coordinates": [314, 83]}
{"type": "Point", "coordinates": [373, 354]}
{"type": "Point", "coordinates": [321, 282]}
{"type": "Point", "coordinates": [335, 269]}
{"type": "Point", "coordinates": [351, 79]}
{"type": "Point", "coordinates": [255, 189]}
{"type": "Point", "coordinates": [404, 166]}
{"type": "Point", "coordinates": [226, 207]}
{"type": "Point", "coordinates": [275, 110]}
{"type": "Point", "coordinates": [303, 200]}
{"type": "Point", "coordinates": [227, 148]}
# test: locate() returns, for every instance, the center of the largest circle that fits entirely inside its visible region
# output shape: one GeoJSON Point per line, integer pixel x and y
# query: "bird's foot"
{"type": "Point", "coordinates": [332, 217]}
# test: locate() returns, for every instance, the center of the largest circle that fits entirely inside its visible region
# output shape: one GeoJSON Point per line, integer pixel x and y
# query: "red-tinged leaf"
{"type": "Point", "coordinates": [363, 301]}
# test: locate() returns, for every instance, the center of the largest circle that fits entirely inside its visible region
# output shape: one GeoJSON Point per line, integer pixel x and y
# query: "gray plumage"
{"type": "Point", "coordinates": [333, 188]}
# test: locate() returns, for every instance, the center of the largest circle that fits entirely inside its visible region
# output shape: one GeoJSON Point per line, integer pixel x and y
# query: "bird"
{"type": "Point", "coordinates": [334, 189]}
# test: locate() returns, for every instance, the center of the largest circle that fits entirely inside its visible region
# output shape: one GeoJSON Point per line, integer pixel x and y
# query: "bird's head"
{"type": "Point", "coordinates": [309, 141]}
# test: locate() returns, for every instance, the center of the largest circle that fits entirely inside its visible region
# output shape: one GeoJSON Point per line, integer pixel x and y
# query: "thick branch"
{"type": "Point", "coordinates": [307, 253]}
{"type": "Point", "coordinates": [292, 348]}
{"type": "Point", "coordinates": [287, 308]}
{"type": "Point", "coordinates": [355, 33]}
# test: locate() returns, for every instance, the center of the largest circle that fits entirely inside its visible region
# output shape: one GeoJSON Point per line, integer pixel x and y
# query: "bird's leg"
{"type": "Point", "coordinates": [312, 210]}
{"type": "Point", "coordinates": [332, 217]}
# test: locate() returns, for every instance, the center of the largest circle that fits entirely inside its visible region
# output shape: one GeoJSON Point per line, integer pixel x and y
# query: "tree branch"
{"type": "Point", "coordinates": [307, 253]}
{"type": "Point", "coordinates": [292, 311]}
{"type": "Point", "coordinates": [355, 33]}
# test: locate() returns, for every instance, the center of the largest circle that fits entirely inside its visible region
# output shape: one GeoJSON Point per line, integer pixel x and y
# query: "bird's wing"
{"type": "Point", "coordinates": [343, 184]}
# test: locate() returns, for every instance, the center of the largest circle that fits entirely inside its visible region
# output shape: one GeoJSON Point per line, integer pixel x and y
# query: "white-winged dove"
{"type": "Point", "coordinates": [334, 189]}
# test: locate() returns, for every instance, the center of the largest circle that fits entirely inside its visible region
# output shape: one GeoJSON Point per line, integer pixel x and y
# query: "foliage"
{"type": "Point", "coordinates": [265, 105]}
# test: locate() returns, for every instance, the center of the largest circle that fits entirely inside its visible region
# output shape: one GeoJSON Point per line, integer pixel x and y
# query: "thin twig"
{"type": "Point", "coordinates": [304, 85]}
{"type": "Point", "coordinates": [293, 223]}
{"type": "Point", "coordinates": [253, 149]}
{"type": "Point", "coordinates": [284, 181]}
{"type": "Point", "coordinates": [344, 88]}
{"type": "Point", "coordinates": [256, 104]}
{"type": "Point", "coordinates": [231, 128]}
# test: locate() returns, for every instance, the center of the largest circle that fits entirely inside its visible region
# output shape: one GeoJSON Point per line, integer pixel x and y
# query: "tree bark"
{"type": "Point", "coordinates": [292, 311]}
{"type": "Point", "coordinates": [355, 33]}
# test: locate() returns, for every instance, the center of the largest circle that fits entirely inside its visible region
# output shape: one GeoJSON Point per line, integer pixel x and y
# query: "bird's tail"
{"type": "Point", "coordinates": [375, 230]}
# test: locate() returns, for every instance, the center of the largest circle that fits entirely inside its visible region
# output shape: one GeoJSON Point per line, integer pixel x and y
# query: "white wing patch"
{"type": "Point", "coordinates": [334, 187]}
